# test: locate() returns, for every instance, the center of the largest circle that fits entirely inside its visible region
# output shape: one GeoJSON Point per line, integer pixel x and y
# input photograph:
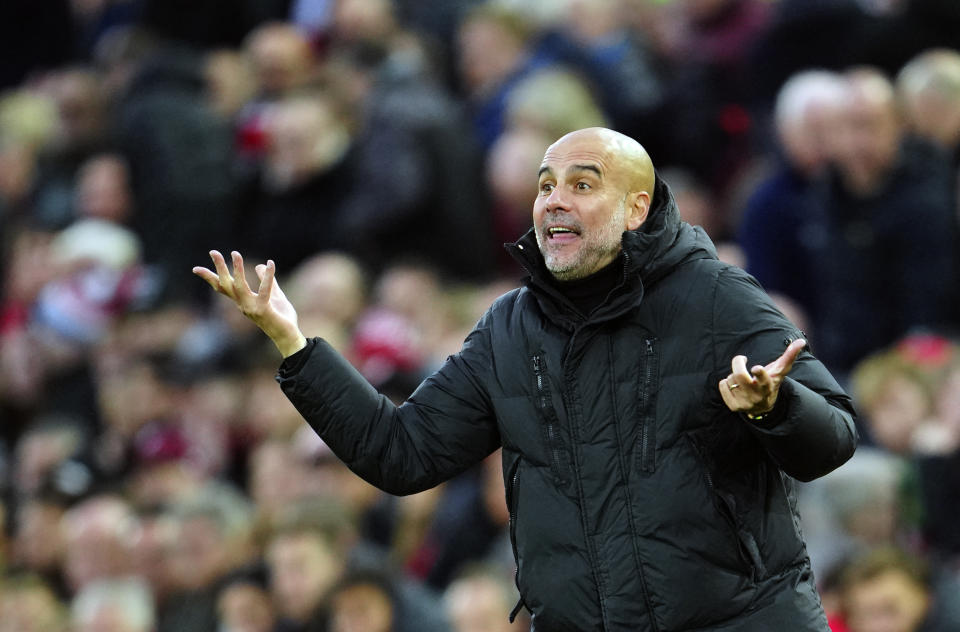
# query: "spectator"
{"type": "Point", "coordinates": [213, 538]}
{"type": "Point", "coordinates": [27, 604]}
{"type": "Point", "coordinates": [305, 562]}
{"type": "Point", "coordinates": [805, 117]}
{"type": "Point", "coordinates": [885, 590]}
{"type": "Point", "coordinates": [880, 241]}
{"type": "Point", "coordinates": [929, 88]}
{"type": "Point", "coordinates": [305, 180]}
{"type": "Point", "coordinates": [244, 605]}
{"type": "Point", "coordinates": [119, 605]}
{"type": "Point", "coordinates": [97, 537]}
{"type": "Point", "coordinates": [363, 602]}
{"type": "Point", "coordinates": [477, 599]}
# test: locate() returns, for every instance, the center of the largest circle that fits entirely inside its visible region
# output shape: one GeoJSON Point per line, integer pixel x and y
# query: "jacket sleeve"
{"type": "Point", "coordinates": [445, 427]}
{"type": "Point", "coordinates": [811, 430]}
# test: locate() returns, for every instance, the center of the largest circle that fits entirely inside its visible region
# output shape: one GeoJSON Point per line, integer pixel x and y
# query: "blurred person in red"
{"type": "Point", "coordinates": [281, 61]}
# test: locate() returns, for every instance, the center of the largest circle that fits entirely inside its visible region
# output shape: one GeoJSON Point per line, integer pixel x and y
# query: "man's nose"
{"type": "Point", "coordinates": [556, 201]}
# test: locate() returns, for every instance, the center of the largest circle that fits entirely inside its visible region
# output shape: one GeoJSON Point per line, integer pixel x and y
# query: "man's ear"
{"type": "Point", "coordinates": [638, 205]}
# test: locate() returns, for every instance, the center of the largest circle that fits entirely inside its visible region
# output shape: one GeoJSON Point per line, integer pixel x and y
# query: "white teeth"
{"type": "Point", "coordinates": [559, 229]}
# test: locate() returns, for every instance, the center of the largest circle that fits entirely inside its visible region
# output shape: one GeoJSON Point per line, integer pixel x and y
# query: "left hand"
{"type": "Point", "coordinates": [755, 392]}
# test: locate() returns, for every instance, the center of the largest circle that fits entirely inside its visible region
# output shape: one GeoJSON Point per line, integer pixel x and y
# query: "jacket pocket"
{"type": "Point", "coordinates": [647, 407]}
{"type": "Point", "coordinates": [726, 505]}
{"type": "Point", "coordinates": [543, 401]}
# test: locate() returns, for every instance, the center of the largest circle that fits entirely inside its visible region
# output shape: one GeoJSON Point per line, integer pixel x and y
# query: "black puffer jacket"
{"type": "Point", "coordinates": [637, 500]}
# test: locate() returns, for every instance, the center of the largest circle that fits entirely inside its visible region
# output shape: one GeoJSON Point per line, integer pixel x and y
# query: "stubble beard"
{"type": "Point", "coordinates": [585, 261]}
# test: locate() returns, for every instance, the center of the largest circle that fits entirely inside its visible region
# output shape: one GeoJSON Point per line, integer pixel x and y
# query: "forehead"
{"type": "Point", "coordinates": [578, 151]}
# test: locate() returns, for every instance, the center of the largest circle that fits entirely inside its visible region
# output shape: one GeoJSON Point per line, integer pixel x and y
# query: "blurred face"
{"type": "Point", "coordinates": [868, 138]}
{"type": "Point", "coordinates": [891, 602]}
{"type": "Point", "coordinates": [305, 139]}
{"type": "Point", "coordinates": [580, 209]}
{"type": "Point", "coordinates": [281, 59]}
{"type": "Point", "coordinates": [103, 189]}
{"type": "Point", "coordinates": [29, 610]}
{"type": "Point", "coordinates": [898, 413]}
{"type": "Point", "coordinates": [245, 608]}
{"type": "Point", "coordinates": [302, 569]}
{"type": "Point", "coordinates": [809, 141]}
{"type": "Point", "coordinates": [37, 544]}
{"type": "Point", "coordinates": [361, 608]}
{"type": "Point", "coordinates": [487, 53]}
{"type": "Point", "coordinates": [477, 606]}
{"type": "Point", "coordinates": [199, 554]}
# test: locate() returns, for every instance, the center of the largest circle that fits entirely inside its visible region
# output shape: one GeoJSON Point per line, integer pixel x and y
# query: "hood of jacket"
{"type": "Point", "coordinates": [659, 245]}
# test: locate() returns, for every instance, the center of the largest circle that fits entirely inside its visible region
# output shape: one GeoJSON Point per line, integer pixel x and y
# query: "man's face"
{"type": "Point", "coordinates": [580, 211]}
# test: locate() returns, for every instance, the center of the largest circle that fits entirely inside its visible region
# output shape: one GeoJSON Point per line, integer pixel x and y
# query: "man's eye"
{"type": "Point", "coordinates": [583, 186]}
{"type": "Point", "coordinates": [546, 187]}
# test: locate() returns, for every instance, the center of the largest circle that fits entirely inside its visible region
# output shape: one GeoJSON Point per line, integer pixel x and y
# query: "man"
{"type": "Point", "coordinates": [805, 118]}
{"type": "Point", "coordinates": [650, 487]}
{"type": "Point", "coordinates": [880, 236]}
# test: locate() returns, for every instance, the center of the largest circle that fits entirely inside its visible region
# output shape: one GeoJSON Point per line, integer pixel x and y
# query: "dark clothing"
{"type": "Point", "coordinates": [769, 234]}
{"type": "Point", "coordinates": [885, 263]}
{"type": "Point", "coordinates": [588, 293]}
{"type": "Point", "coordinates": [638, 501]}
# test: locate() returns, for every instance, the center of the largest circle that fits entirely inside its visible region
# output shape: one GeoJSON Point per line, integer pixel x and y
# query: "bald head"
{"type": "Point", "coordinates": [628, 160]}
{"type": "Point", "coordinates": [594, 184]}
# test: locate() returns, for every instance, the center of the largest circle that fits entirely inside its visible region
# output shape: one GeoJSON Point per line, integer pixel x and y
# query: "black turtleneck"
{"type": "Point", "coordinates": [588, 293]}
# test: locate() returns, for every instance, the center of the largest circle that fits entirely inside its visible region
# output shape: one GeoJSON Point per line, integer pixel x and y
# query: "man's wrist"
{"type": "Point", "coordinates": [289, 346]}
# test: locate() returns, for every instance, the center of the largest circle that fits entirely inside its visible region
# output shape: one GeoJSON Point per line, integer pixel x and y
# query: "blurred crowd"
{"type": "Point", "coordinates": [155, 479]}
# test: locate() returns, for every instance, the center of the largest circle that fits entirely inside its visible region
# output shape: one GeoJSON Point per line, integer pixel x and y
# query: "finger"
{"type": "Point", "coordinates": [782, 365]}
{"type": "Point", "coordinates": [239, 273]}
{"type": "Point", "coordinates": [220, 264]}
{"type": "Point", "coordinates": [208, 276]}
{"type": "Point", "coordinates": [739, 367]}
{"type": "Point", "coordinates": [266, 280]}
{"type": "Point", "coordinates": [763, 379]}
{"type": "Point", "coordinates": [727, 395]}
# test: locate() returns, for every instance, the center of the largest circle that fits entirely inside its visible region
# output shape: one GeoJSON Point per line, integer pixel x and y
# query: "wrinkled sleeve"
{"type": "Point", "coordinates": [446, 426]}
{"type": "Point", "coordinates": [811, 430]}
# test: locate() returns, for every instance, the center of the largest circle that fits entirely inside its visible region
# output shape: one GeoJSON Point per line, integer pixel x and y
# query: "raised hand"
{"type": "Point", "coordinates": [268, 307]}
{"type": "Point", "coordinates": [754, 392]}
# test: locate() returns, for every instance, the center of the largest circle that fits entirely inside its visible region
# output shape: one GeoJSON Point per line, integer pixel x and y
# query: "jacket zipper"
{"type": "Point", "coordinates": [514, 482]}
{"type": "Point", "coordinates": [647, 443]}
{"type": "Point", "coordinates": [546, 407]}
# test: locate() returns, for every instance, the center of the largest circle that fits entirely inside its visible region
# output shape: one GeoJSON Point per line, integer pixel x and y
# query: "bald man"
{"type": "Point", "coordinates": [649, 472]}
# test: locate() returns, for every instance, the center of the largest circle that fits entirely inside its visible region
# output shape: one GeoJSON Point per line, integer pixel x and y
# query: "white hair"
{"type": "Point", "coordinates": [810, 87]}
{"type": "Point", "coordinates": [130, 597]}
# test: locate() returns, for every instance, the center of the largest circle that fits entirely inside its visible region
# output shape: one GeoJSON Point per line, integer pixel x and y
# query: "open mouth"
{"type": "Point", "coordinates": [562, 233]}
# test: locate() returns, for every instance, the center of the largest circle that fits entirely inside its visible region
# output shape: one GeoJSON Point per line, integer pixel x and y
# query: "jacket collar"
{"type": "Point", "coordinates": [649, 253]}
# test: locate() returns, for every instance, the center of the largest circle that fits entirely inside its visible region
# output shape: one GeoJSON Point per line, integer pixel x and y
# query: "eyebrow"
{"type": "Point", "coordinates": [584, 167]}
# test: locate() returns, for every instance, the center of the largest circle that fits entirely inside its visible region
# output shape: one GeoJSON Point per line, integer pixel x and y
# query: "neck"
{"type": "Point", "coordinates": [588, 293]}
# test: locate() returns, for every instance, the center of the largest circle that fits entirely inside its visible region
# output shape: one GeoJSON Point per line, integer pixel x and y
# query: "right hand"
{"type": "Point", "coordinates": [268, 307]}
